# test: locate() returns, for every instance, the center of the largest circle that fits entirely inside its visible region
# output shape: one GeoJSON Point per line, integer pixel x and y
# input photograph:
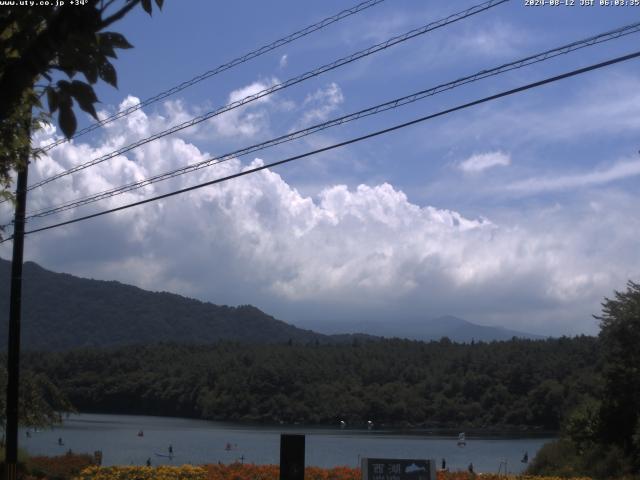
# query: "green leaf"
{"type": "Point", "coordinates": [70, 72]}
{"type": "Point", "coordinates": [52, 99]}
{"type": "Point", "coordinates": [83, 90]}
{"type": "Point", "coordinates": [6, 195]}
{"type": "Point", "coordinates": [116, 40]}
{"type": "Point", "coordinates": [70, 58]}
{"type": "Point", "coordinates": [35, 101]}
{"type": "Point", "coordinates": [108, 74]}
{"type": "Point", "coordinates": [67, 120]}
{"type": "Point", "coordinates": [107, 49]}
{"type": "Point", "coordinates": [146, 4]}
{"type": "Point", "coordinates": [85, 96]}
{"type": "Point", "coordinates": [64, 87]}
{"type": "Point", "coordinates": [91, 72]}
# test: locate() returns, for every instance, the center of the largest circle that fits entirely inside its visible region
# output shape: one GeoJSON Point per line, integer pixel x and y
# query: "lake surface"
{"type": "Point", "coordinates": [200, 441]}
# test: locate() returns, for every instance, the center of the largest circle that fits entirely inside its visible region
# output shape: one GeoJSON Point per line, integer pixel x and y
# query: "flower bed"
{"type": "Point", "coordinates": [239, 471]}
{"type": "Point", "coordinates": [61, 467]}
{"type": "Point", "coordinates": [185, 472]}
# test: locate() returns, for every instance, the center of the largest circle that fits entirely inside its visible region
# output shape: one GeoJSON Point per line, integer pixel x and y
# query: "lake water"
{"type": "Point", "coordinates": [200, 441]}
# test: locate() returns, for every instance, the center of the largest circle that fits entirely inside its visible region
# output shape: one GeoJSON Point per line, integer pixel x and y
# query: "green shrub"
{"type": "Point", "coordinates": [22, 455]}
{"type": "Point", "coordinates": [562, 458]}
{"type": "Point", "coordinates": [556, 458]}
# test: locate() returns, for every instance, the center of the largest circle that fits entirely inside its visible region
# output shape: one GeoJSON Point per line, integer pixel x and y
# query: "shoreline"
{"type": "Point", "coordinates": [498, 431]}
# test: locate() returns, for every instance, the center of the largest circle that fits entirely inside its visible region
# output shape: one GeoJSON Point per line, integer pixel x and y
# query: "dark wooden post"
{"type": "Point", "coordinates": [292, 457]}
{"type": "Point", "coordinates": [15, 307]}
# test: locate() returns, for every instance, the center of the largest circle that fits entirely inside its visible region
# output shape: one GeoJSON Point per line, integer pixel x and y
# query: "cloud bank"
{"type": "Point", "coordinates": [602, 176]}
{"type": "Point", "coordinates": [347, 253]}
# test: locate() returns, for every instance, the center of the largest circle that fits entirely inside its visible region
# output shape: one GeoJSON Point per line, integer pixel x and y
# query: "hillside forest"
{"type": "Point", "coordinates": [520, 383]}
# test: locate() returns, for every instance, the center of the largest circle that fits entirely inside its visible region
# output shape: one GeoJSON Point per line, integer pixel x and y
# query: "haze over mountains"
{"type": "Point", "coordinates": [449, 326]}
{"type": "Point", "coordinates": [61, 311]}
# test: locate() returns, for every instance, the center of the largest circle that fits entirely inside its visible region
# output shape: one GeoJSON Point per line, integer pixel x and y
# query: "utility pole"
{"type": "Point", "coordinates": [13, 357]}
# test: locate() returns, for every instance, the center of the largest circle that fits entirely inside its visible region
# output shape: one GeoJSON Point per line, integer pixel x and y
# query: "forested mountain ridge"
{"type": "Point", "coordinates": [61, 311]}
{"type": "Point", "coordinates": [520, 383]}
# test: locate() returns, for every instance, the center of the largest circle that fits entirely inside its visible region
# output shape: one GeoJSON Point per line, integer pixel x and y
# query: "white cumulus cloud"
{"type": "Point", "coordinates": [344, 253]}
{"type": "Point", "coordinates": [320, 104]}
{"type": "Point", "coordinates": [249, 120]}
{"type": "Point", "coordinates": [484, 161]}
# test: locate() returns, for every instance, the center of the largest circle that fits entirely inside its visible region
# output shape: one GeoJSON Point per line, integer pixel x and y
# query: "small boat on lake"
{"type": "Point", "coordinates": [462, 440]}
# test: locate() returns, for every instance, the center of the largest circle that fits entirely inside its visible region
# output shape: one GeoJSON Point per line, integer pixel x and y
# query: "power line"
{"type": "Point", "coordinates": [347, 142]}
{"type": "Point", "coordinates": [221, 68]}
{"type": "Point", "coordinates": [280, 86]}
{"type": "Point", "coordinates": [532, 59]}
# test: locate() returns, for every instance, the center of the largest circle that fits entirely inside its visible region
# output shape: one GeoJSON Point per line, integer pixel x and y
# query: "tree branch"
{"type": "Point", "coordinates": [119, 14]}
{"type": "Point", "coordinates": [104, 6]}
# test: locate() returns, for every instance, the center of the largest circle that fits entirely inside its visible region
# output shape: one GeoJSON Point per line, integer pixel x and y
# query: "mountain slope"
{"type": "Point", "coordinates": [456, 329]}
{"type": "Point", "coordinates": [463, 331]}
{"type": "Point", "coordinates": [61, 311]}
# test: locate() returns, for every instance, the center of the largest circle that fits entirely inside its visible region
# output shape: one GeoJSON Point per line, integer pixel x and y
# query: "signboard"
{"type": "Point", "coordinates": [398, 469]}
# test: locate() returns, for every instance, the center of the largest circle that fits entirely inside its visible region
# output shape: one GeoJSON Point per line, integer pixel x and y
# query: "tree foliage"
{"type": "Point", "coordinates": [620, 339]}
{"type": "Point", "coordinates": [41, 402]}
{"type": "Point", "coordinates": [42, 51]}
{"type": "Point", "coordinates": [394, 382]}
{"type": "Point", "coordinates": [601, 436]}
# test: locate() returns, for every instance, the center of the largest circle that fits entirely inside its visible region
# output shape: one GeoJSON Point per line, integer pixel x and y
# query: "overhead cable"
{"type": "Point", "coordinates": [522, 88]}
{"type": "Point", "coordinates": [280, 86]}
{"type": "Point", "coordinates": [221, 68]}
{"type": "Point", "coordinates": [532, 59]}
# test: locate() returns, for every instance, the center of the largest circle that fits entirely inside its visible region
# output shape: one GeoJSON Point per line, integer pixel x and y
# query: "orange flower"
{"type": "Point", "coordinates": [248, 471]}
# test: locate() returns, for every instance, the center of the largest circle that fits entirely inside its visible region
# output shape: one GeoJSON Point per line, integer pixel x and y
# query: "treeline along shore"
{"type": "Point", "coordinates": [527, 384]}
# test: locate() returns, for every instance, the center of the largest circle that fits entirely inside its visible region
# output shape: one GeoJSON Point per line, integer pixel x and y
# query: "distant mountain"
{"type": "Point", "coordinates": [454, 328]}
{"type": "Point", "coordinates": [61, 311]}
{"type": "Point", "coordinates": [460, 330]}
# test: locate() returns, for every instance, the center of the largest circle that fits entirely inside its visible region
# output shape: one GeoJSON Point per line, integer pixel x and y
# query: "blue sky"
{"type": "Point", "coordinates": [520, 212]}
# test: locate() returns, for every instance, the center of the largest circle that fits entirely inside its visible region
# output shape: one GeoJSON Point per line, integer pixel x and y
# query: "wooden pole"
{"type": "Point", "coordinates": [13, 357]}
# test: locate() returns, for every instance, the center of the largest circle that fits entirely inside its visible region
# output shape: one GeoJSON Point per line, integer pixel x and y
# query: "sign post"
{"type": "Point", "coordinates": [291, 457]}
{"type": "Point", "coordinates": [398, 469]}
